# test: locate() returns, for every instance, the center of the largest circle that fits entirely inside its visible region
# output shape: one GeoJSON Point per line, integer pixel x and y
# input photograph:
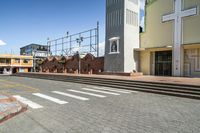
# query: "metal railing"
{"type": "Point", "coordinates": [84, 42]}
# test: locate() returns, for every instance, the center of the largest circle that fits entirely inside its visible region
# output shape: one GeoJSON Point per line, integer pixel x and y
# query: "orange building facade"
{"type": "Point", "coordinates": [15, 63]}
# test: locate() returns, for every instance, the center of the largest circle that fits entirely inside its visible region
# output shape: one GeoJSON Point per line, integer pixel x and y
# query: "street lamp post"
{"type": "Point", "coordinates": [66, 36]}
{"type": "Point", "coordinates": [79, 40]}
{"type": "Point", "coordinates": [48, 47]}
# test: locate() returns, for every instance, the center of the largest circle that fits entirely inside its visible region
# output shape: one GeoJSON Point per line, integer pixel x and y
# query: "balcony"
{"type": "Point", "coordinates": [5, 62]}
{"type": "Point", "coordinates": [18, 61]}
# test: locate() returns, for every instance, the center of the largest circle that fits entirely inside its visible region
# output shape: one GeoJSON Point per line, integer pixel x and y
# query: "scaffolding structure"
{"type": "Point", "coordinates": [81, 43]}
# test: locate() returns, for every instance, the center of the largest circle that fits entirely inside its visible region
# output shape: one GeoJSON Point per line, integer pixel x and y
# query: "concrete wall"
{"type": "Point", "coordinates": [191, 25]}
{"type": "Point", "coordinates": [123, 61]}
{"type": "Point", "coordinates": [114, 62]}
{"type": "Point", "coordinates": [145, 62]}
{"type": "Point", "coordinates": [13, 61]}
{"type": "Point", "coordinates": [131, 40]}
{"type": "Point", "coordinates": [157, 34]}
{"type": "Point", "coordinates": [192, 60]}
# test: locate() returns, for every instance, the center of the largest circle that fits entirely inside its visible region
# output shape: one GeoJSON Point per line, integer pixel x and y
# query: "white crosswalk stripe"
{"type": "Point", "coordinates": [28, 102]}
{"type": "Point", "coordinates": [50, 98]}
{"type": "Point", "coordinates": [70, 95]}
{"type": "Point", "coordinates": [87, 93]}
{"type": "Point", "coordinates": [100, 91]}
{"type": "Point", "coordinates": [111, 89]}
{"type": "Point", "coordinates": [105, 90]}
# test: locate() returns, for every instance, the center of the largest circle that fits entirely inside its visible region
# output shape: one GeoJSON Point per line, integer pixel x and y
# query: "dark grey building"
{"type": "Point", "coordinates": [122, 36]}
{"type": "Point", "coordinates": [36, 50]}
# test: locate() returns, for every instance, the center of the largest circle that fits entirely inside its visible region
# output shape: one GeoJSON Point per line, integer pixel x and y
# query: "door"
{"type": "Point", "coordinates": [163, 63]}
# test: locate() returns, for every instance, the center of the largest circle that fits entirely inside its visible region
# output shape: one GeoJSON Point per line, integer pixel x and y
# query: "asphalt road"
{"type": "Point", "coordinates": [63, 107]}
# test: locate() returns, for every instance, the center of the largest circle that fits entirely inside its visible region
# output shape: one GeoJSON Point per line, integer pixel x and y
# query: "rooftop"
{"type": "Point", "coordinates": [15, 56]}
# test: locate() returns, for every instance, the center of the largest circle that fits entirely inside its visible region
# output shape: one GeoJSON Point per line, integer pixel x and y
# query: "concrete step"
{"type": "Point", "coordinates": [189, 88]}
{"type": "Point", "coordinates": [158, 84]}
{"type": "Point", "coordinates": [140, 88]}
{"type": "Point", "coordinates": [154, 84]}
{"type": "Point", "coordinates": [188, 91]}
{"type": "Point", "coordinates": [161, 87]}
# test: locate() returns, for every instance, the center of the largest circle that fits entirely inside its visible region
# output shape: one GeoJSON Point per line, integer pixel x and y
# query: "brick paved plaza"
{"type": "Point", "coordinates": [96, 110]}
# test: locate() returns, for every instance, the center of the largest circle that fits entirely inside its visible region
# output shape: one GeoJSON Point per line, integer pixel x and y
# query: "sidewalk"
{"type": "Point", "coordinates": [10, 107]}
{"type": "Point", "coordinates": [159, 79]}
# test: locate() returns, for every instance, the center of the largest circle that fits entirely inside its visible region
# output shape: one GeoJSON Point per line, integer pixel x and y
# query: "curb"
{"type": "Point", "coordinates": [10, 107]}
{"type": "Point", "coordinates": [178, 90]}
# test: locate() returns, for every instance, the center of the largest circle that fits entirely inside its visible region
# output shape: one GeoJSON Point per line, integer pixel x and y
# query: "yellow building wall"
{"type": "Point", "coordinates": [192, 62]}
{"type": "Point", "coordinates": [30, 63]}
{"type": "Point", "coordinates": [12, 59]}
{"type": "Point", "coordinates": [25, 70]}
{"type": "Point", "coordinates": [13, 62]}
{"type": "Point", "coordinates": [145, 61]}
{"type": "Point", "coordinates": [158, 34]}
{"type": "Point", "coordinates": [191, 25]}
{"type": "Point", "coordinates": [21, 63]}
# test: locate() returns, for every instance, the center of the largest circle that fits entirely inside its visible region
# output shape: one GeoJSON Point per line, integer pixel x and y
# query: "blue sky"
{"type": "Point", "coordinates": [32, 21]}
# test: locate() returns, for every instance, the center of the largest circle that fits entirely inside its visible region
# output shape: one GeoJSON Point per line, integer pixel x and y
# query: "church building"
{"type": "Point", "coordinates": [122, 36]}
{"type": "Point", "coordinates": [170, 44]}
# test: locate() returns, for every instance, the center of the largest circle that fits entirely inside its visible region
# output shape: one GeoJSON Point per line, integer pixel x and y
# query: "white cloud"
{"type": "Point", "coordinates": [102, 49]}
{"type": "Point", "coordinates": [2, 43]}
{"type": "Point", "coordinates": [75, 50]}
{"type": "Point", "coordinates": [142, 4]}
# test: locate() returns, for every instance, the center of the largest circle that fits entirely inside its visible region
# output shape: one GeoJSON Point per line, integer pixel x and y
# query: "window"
{"type": "Point", "coordinates": [38, 47]}
{"type": "Point", "coordinates": [112, 2]}
{"type": "Point", "coordinates": [2, 60]}
{"type": "Point", "coordinates": [114, 18]}
{"type": "Point", "coordinates": [131, 17]}
{"type": "Point", "coordinates": [114, 45]}
{"type": "Point", "coordinates": [8, 61]}
{"type": "Point", "coordinates": [25, 61]}
{"type": "Point", "coordinates": [134, 1]}
{"type": "Point", "coordinates": [17, 61]}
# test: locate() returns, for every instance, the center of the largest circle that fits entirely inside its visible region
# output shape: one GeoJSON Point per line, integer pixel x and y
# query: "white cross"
{"type": "Point", "coordinates": [177, 17]}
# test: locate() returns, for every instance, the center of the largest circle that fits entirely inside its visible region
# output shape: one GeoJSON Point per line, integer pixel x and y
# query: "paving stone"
{"type": "Point", "coordinates": [127, 113]}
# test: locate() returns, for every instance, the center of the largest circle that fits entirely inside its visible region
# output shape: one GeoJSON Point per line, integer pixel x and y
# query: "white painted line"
{"type": "Point", "coordinates": [50, 98]}
{"type": "Point", "coordinates": [28, 102]}
{"type": "Point", "coordinates": [87, 93]}
{"type": "Point", "coordinates": [70, 95]}
{"type": "Point", "coordinates": [105, 92]}
{"type": "Point", "coordinates": [111, 89]}
{"type": "Point", "coordinates": [122, 90]}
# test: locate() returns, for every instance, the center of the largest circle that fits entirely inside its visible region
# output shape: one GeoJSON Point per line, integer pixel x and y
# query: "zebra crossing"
{"type": "Point", "coordinates": [99, 92]}
{"type": "Point", "coordinates": [28, 102]}
{"type": "Point", "coordinates": [88, 93]}
{"type": "Point", "coordinates": [70, 95]}
{"type": "Point", "coordinates": [114, 90]}
{"type": "Point", "coordinates": [56, 100]}
{"type": "Point", "coordinates": [105, 92]}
